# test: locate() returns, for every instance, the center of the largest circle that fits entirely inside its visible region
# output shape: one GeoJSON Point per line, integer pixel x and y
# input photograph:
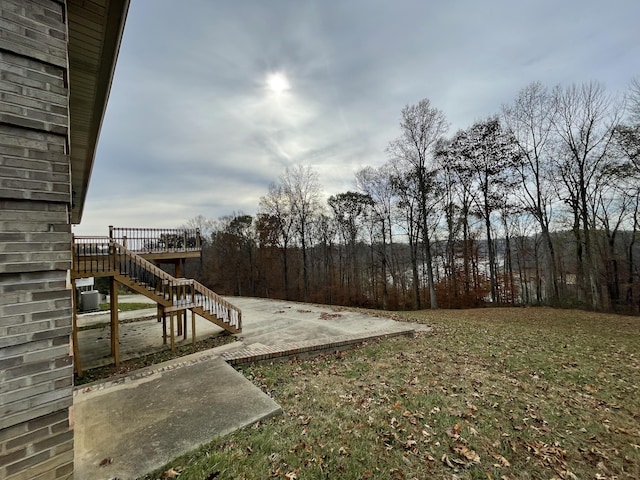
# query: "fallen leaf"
{"type": "Point", "coordinates": [409, 444]}
{"type": "Point", "coordinates": [454, 432]}
{"type": "Point", "coordinates": [502, 462]}
{"type": "Point", "coordinates": [274, 457]}
{"type": "Point", "coordinates": [467, 453]}
{"type": "Point", "coordinates": [446, 461]}
{"type": "Point", "coordinates": [171, 473]}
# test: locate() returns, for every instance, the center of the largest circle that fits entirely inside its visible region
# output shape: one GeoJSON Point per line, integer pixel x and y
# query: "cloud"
{"type": "Point", "coordinates": [191, 129]}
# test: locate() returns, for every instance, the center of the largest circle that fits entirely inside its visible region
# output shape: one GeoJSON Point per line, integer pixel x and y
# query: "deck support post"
{"type": "Point", "coordinates": [74, 332]}
{"type": "Point", "coordinates": [184, 324]}
{"type": "Point", "coordinates": [180, 291]}
{"type": "Point", "coordinates": [164, 325]}
{"type": "Point", "coordinates": [113, 306]}
{"type": "Point", "coordinates": [172, 332]}
{"type": "Point", "coordinates": [193, 327]}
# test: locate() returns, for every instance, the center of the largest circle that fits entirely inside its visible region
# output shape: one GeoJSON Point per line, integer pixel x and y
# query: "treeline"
{"type": "Point", "coordinates": [535, 205]}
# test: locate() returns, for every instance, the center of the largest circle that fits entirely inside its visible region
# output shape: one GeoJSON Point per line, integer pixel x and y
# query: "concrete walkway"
{"type": "Point", "coordinates": [137, 423]}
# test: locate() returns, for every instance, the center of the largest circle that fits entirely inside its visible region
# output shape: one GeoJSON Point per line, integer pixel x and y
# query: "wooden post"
{"type": "Point", "coordinates": [193, 327]}
{"type": "Point", "coordinates": [164, 326]}
{"type": "Point", "coordinates": [74, 337]}
{"type": "Point", "coordinates": [184, 324]}
{"type": "Point", "coordinates": [113, 305]}
{"type": "Point", "coordinates": [179, 289]}
{"type": "Point", "coordinates": [172, 330]}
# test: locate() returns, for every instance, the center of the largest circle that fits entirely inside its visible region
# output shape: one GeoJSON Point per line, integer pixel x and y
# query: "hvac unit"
{"type": "Point", "coordinates": [89, 300]}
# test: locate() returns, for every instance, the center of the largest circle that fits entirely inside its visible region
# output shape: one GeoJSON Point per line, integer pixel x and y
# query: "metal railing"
{"type": "Point", "coordinates": [92, 255]}
{"type": "Point", "coordinates": [157, 240]}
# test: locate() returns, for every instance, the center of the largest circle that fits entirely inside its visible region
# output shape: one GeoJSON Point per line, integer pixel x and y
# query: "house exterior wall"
{"type": "Point", "coordinates": [36, 371]}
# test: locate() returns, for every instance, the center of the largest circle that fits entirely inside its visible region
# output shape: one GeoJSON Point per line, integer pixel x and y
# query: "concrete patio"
{"type": "Point", "coordinates": [130, 425]}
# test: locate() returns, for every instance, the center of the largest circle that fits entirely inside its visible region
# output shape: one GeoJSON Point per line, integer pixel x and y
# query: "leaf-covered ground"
{"type": "Point", "coordinates": [508, 393]}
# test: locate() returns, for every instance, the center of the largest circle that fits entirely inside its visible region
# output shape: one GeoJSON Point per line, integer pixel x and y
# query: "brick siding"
{"type": "Point", "coordinates": [36, 371]}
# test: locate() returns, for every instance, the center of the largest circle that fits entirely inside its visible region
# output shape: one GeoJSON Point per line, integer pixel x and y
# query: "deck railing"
{"type": "Point", "coordinates": [92, 255]}
{"type": "Point", "coordinates": [215, 305]}
{"type": "Point", "coordinates": [157, 240]}
{"type": "Point", "coordinates": [100, 255]}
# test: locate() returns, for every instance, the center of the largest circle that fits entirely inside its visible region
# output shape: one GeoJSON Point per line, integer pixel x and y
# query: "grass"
{"type": "Point", "coordinates": [503, 394]}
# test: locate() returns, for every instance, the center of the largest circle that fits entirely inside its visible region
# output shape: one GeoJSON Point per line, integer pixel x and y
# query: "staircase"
{"type": "Point", "coordinates": [101, 256]}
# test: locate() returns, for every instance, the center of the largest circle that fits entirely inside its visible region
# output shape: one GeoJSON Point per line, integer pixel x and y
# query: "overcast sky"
{"type": "Point", "coordinates": [212, 100]}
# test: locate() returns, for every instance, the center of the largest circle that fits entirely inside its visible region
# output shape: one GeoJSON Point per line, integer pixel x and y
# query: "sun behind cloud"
{"type": "Point", "coordinates": [277, 83]}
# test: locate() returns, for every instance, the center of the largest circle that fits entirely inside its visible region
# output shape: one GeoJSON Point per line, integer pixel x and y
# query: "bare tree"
{"type": "Point", "coordinates": [488, 155]}
{"type": "Point", "coordinates": [628, 134]}
{"type": "Point", "coordinates": [457, 183]}
{"type": "Point", "coordinates": [421, 127]}
{"type": "Point", "coordinates": [530, 119]}
{"type": "Point", "coordinates": [205, 225]}
{"type": "Point", "coordinates": [585, 124]}
{"type": "Point", "coordinates": [633, 99]}
{"type": "Point", "coordinates": [348, 209]}
{"type": "Point", "coordinates": [276, 219]}
{"type": "Point", "coordinates": [301, 186]}
{"type": "Point", "coordinates": [377, 184]}
{"type": "Point", "coordinates": [406, 191]}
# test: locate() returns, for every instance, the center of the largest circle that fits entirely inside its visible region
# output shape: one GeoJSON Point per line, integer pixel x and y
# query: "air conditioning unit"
{"type": "Point", "coordinates": [89, 300]}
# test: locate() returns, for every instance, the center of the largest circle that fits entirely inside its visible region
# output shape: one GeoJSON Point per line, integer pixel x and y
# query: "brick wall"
{"type": "Point", "coordinates": [36, 372]}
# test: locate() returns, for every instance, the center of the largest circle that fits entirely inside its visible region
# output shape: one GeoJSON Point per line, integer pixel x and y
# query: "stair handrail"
{"type": "Point", "coordinates": [212, 302]}
{"type": "Point", "coordinates": [179, 291]}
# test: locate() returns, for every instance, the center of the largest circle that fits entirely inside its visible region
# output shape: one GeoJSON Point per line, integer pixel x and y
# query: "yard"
{"type": "Point", "coordinates": [507, 393]}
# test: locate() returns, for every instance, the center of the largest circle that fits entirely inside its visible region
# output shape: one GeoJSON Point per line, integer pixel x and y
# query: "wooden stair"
{"type": "Point", "coordinates": [142, 276]}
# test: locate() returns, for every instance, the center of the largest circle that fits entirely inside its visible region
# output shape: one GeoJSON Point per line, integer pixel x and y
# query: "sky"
{"type": "Point", "coordinates": [212, 100]}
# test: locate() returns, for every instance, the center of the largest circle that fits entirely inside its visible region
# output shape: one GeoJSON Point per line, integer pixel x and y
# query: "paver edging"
{"type": "Point", "coordinates": [247, 355]}
{"type": "Point", "coordinates": [307, 348]}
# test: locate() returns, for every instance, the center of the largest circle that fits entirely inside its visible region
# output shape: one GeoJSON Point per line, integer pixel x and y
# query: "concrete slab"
{"type": "Point", "coordinates": [143, 420]}
{"type": "Point", "coordinates": [140, 424]}
{"type": "Point", "coordinates": [273, 322]}
{"type": "Point", "coordinates": [267, 322]}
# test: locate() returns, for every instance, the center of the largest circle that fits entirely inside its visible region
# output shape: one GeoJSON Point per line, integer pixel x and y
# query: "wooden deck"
{"type": "Point", "coordinates": [131, 257]}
